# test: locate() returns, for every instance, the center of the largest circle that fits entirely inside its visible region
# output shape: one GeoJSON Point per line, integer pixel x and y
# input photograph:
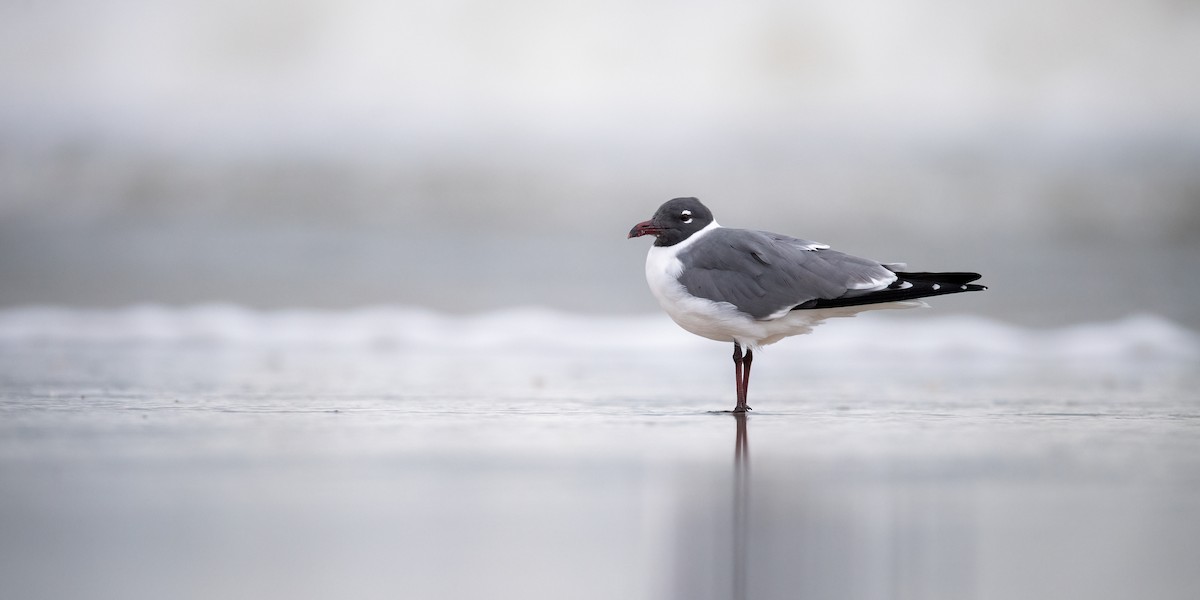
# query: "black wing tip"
{"type": "Point", "coordinates": [952, 278]}
{"type": "Point", "coordinates": [922, 285]}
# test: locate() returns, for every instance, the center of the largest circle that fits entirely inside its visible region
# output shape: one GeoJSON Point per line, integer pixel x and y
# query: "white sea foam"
{"type": "Point", "coordinates": [1134, 337]}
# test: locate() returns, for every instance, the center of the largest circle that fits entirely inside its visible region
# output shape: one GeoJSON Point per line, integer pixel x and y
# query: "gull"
{"type": "Point", "coordinates": [754, 288]}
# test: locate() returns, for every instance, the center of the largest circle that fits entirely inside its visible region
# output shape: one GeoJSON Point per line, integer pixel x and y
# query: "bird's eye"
{"type": "Point", "coordinates": [686, 216]}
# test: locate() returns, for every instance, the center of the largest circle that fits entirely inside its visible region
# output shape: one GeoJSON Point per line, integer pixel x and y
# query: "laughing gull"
{"type": "Point", "coordinates": [755, 288]}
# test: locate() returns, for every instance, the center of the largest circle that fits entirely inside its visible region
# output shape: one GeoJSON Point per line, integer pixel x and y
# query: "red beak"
{"type": "Point", "coordinates": [644, 228]}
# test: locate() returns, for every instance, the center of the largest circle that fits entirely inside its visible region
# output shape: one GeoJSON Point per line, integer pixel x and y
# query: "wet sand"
{"type": "Point", "coordinates": [196, 467]}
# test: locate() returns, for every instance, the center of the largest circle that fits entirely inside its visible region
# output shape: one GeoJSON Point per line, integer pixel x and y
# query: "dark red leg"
{"type": "Point", "coordinates": [741, 367]}
{"type": "Point", "coordinates": [737, 372]}
{"type": "Point", "coordinates": [746, 378]}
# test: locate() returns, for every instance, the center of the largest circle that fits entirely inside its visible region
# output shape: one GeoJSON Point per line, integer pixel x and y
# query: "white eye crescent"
{"type": "Point", "coordinates": [686, 216]}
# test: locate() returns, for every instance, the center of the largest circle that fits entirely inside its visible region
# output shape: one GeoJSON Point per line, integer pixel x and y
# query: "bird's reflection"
{"type": "Point", "coordinates": [741, 504]}
{"type": "Point", "coordinates": [802, 529]}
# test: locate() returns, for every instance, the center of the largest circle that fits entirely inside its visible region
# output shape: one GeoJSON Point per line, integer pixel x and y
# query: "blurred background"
{"type": "Point", "coordinates": [477, 397]}
{"type": "Point", "coordinates": [470, 155]}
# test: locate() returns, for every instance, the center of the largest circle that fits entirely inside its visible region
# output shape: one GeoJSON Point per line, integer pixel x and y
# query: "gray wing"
{"type": "Point", "coordinates": [766, 274]}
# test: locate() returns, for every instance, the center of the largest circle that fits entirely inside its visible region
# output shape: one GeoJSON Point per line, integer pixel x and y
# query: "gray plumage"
{"type": "Point", "coordinates": [763, 273]}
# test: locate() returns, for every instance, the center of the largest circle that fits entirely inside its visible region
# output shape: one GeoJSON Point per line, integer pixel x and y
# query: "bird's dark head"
{"type": "Point", "coordinates": [674, 222]}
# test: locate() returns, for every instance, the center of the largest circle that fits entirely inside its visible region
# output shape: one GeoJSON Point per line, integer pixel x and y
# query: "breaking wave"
{"type": "Point", "coordinates": [1134, 337]}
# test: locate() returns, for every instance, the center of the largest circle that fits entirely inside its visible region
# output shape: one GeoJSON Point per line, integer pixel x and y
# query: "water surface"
{"type": "Point", "coordinates": [217, 452]}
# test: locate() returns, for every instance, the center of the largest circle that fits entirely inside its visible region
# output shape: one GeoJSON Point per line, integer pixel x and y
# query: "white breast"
{"type": "Point", "coordinates": [714, 320]}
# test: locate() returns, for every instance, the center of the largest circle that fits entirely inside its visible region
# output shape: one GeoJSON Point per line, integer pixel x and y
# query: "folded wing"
{"type": "Point", "coordinates": [766, 275]}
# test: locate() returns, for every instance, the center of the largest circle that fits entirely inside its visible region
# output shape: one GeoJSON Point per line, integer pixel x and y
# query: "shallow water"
{"type": "Point", "coordinates": [217, 452]}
